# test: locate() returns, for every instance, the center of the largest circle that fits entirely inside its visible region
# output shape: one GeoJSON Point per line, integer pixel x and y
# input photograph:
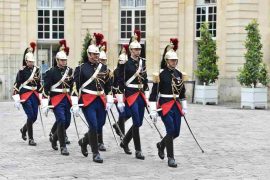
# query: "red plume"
{"type": "Point", "coordinates": [33, 46]}
{"type": "Point", "coordinates": [174, 41]}
{"type": "Point", "coordinates": [63, 42]}
{"type": "Point", "coordinates": [138, 32]}
{"type": "Point", "coordinates": [126, 47]}
{"type": "Point", "coordinates": [99, 38]}
{"type": "Point", "coordinates": [104, 43]}
{"type": "Point", "coordinates": [66, 50]}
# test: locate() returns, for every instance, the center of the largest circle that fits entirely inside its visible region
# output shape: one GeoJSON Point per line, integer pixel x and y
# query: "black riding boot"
{"type": "Point", "coordinates": [61, 137]}
{"type": "Point", "coordinates": [137, 143]}
{"type": "Point", "coordinates": [161, 148]}
{"type": "Point", "coordinates": [23, 131]}
{"type": "Point", "coordinates": [126, 140]}
{"type": "Point", "coordinates": [66, 138]}
{"type": "Point", "coordinates": [170, 153]}
{"type": "Point", "coordinates": [94, 146]}
{"type": "Point", "coordinates": [101, 145]}
{"type": "Point", "coordinates": [53, 140]}
{"type": "Point", "coordinates": [30, 133]}
{"type": "Point", "coordinates": [121, 125]}
{"type": "Point", "coordinates": [83, 143]}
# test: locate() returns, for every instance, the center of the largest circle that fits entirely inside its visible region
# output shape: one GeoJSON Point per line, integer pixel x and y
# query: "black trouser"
{"type": "Point", "coordinates": [167, 142]}
{"type": "Point", "coordinates": [134, 133]}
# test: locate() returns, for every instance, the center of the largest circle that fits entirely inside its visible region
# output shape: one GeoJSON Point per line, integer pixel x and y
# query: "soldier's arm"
{"type": "Point", "coordinates": [76, 78]}
{"type": "Point", "coordinates": [155, 89]}
{"type": "Point", "coordinates": [17, 83]}
{"type": "Point", "coordinates": [38, 81]}
{"type": "Point", "coordinates": [116, 89]}
{"type": "Point", "coordinates": [121, 77]}
{"type": "Point", "coordinates": [182, 89]}
{"type": "Point", "coordinates": [145, 81]}
{"type": "Point", "coordinates": [108, 83]}
{"type": "Point", "coordinates": [47, 84]}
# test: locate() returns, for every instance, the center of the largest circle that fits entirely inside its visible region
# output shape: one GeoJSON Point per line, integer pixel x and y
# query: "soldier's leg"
{"type": "Point", "coordinates": [137, 110]}
{"type": "Point", "coordinates": [23, 131]}
{"type": "Point", "coordinates": [128, 136]}
{"type": "Point", "coordinates": [168, 121]}
{"type": "Point", "coordinates": [101, 116]}
{"type": "Point", "coordinates": [28, 108]}
{"type": "Point", "coordinates": [53, 129]}
{"type": "Point", "coordinates": [59, 112]}
{"type": "Point", "coordinates": [83, 142]}
{"type": "Point", "coordinates": [90, 114]}
{"type": "Point", "coordinates": [67, 122]}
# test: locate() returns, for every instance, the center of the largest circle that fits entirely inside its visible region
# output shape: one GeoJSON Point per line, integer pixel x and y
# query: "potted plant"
{"type": "Point", "coordinates": [86, 43]}
{"type": "Point", "coordinates": [207, 70]}
{"type": "Point", "coordinates": [254, 75]}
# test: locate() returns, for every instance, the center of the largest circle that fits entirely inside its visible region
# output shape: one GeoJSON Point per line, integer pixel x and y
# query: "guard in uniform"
{"type": "Point", "coordinates": [103, 59]}
{"type": "Point", "coordinates": [167, 93]}
{"type": "Point", "coordinates": [124, 113]}
{"type": "Point", "coordinates": [133, 81]}
{"type": "Point", "coordinates": [26, 92]}
{"type": "Point", "coordinates": [57, 88]}
{"type": "Point", "coordinates": [63, 45]}
{"type": "Point", "coordinates": [93, 85]}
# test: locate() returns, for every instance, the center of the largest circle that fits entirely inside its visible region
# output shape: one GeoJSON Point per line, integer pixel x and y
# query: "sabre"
{"type": "Point", "coordinates": [192, 133]}
{"type": "Point", "coordinates": [148, 122]}
{"type": "Point", "coordinates": [121, 133]}
{"type": "Point", "coordinates": [41, 121]}
{"type": "Point", "coordinates": [160, 135]}
{"type": "Point", "coordinates": [76, 126]}
{"type": "Point", "coordinates": [112, 128]}
{"type": "Point", "coordinates": [83, 120]}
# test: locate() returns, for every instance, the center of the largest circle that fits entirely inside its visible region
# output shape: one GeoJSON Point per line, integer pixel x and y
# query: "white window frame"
{"type": "Point", "coordinates": [132, 8]}
{"type": "Point", "coordinates": [207, 6]}
{"type": "Point", "coordinates": [51, 8]}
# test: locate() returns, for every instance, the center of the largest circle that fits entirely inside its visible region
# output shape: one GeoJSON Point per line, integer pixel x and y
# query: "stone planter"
{"type": "Point", "coordinates": [206, 94]}
{"type": "Point", "coordinates": [254, 97]}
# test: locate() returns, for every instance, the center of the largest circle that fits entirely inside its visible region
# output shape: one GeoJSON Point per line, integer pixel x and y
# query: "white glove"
{"type": "Point", "coordinates": [45, 106]}
{"type": "Point", "coordinates": [109, 103]}
{"type": "Point", "coordinates": [75, 109]}
{"type": "Point", "coordinates": [120, 104]}
{"type": "Point", "coordinates": [17, 99]}
{"type": "Point", "coordinates": [74, 100]}
{"type": "Point", "coordinates": [184, 106]}
{"type": "Point", "coordinates": [153, 110]}
{"type": "Point", "coordinates": [147, 95]}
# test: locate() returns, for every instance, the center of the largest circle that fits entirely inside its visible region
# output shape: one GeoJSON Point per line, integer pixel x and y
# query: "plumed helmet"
{"type": "Point", "coordinates": [171, 54]}
{"type": "Point", "coordinates": [135, 45]}
{"type": "Point", "coordinates": [93, 49]}
{"type": "Point", "coordinates": [102, 55]}
{"type": "Point", "coordinates": [61, 55]}
{"type": "Point", "coordinates": [29, 57]}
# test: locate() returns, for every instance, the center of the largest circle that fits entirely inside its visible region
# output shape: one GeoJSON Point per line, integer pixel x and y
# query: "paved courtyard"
{"type": "Point", "coordinates": [236, 144]}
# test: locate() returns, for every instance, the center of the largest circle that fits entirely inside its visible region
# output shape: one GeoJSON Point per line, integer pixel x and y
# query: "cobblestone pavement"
{"type": "Point", "coordinates": [236, 144]}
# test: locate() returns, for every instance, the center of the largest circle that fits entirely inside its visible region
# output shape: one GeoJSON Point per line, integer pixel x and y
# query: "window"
{"type": "Point", "coordinates": [50, 19]}
{"type": "Point", "coordinates": [132, 16]}
{"type": "Point", "coordinates": [206, 11]}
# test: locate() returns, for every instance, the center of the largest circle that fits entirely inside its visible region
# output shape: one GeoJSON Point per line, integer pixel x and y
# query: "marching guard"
{"type": "Point", "coordinates": [167, 92]}
{"type": "Point", "coordinates": [26, 92]}
{"type": "Point", "coordinates": [124, 113]}
{"type": "Point", "coordinates": [63, 45]}
{"type": "Point", "coordinates": [57, 89]}
{"type": "Point", "coordinates": [132, 80]}
{"type": "Point", "coordinates": [94, 87]}
{"type": "Point", "coordinates": [103, 60]}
